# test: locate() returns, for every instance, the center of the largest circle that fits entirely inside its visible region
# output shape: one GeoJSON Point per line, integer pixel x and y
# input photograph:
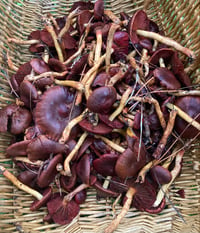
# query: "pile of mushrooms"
{"type": "Point", "coordinates": [105, 103]}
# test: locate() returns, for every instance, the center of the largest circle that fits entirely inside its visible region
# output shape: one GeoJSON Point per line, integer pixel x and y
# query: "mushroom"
{"type": "Point", "coordinates": [53, 110]}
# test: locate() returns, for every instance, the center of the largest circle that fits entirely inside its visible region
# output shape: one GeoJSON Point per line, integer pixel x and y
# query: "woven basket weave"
{"type": "Point", "coordinates": [180, 19]}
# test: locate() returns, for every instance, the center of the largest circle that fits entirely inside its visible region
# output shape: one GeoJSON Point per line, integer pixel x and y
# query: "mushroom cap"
{"type": "Point", "coordinates": [128, 163]}
{"type": "Point", "coordinates": [171, 57]}
{"type": "Point", "coordinates": [80, 197]}
{"type": "Point", "coordinates": [101, 79]}
{"type": "Point", "coordinates": [37, 204]}
{"type": "Point", "coordinates": [166, 78]}
{"type": "Point", "coordinates": [28, 93]}
{"type": "Point", "coordinates": [68, 182]}
{"type": "Point", "coordinates": [23, 70]}
{"type": "Point", "coordinates": [49, 171]}
{"type": "Point", "coordinates": [98, 9]}
{"type": "Point", "coordinates": [100, 128]}
{"type": "Point", "coordinates": [62, 213]}
{"type": "Point", "coordinates": [105, 165]}
{"type": "Point", "coordinates": [52, 112]}
{"type": "Point", "coordinates": [191, 106]}
{"type": "Point", "coordinates": [102, 99]}
{"type": "Point", "coordinates": [18, 148]}
{"type": "Point", "coordinates": [145, 196]}
{"type": "Point", "coordinates": [82, 19]}
{"type": "Point", "coordinates": [56, 65]}
{"type": "Point", "coordinates": [39, 66]}
{"type": "Point", "coordinates": [20, 121]}
{"type": "Point", "coordinates": [160, 175]}
{"type": "Point", "coordinates": [83, 169]}
{"type": "Point", "coordinates": [138, 21]}
{"type": "Point", "coordinates": [28, 177]}
{"type": "Point", "coordinates": [115, 124]}
{"type": "Point", "coordinates": [40, 148]}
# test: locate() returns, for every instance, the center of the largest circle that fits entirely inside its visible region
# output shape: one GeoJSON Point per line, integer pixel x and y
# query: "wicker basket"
{"type": "Point", "coordinates": [180, 20]}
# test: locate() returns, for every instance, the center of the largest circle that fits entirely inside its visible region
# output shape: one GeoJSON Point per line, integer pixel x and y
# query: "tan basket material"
{"type": "Point", "coordinates": [179, 19]}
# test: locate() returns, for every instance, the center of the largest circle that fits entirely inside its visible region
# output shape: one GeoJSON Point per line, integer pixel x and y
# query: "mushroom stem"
{"type": "Point", "coordinates": [88, 79]}
{"type": "Point", "coordinates": [166, 40]}
{"type": "Point", "coordinates": [162, 63]}
{"type": "Point", "coordinates": [72, 153]}
{"type": "Point", "coordinates": [91, 54]}
{"type": "Point", "coordinates": [111, 144]}
{"type": "Point", "coordinates": [98, 45]}
{"type": "Point", "coordinates": [50, 16]}
{"type": "Point", "coordinates": [170, 125]}
{"type": "Point", "coordinates": [10, 63]}
{"type": "Point", "coordinates": [111, 33]}
{"type": "Point", "coordinates": [70, 83]}
{"type": "Point", "coordinates": [156, 105]}
{"type": "Point", "coordinates": [43, 75]}
{"type": "Point", "coordinates": [119, 75]}
{"type": "Point", "coordinates": [114, 224]}
{"type": "Point", "coordinates": [184, 115]}
{"type": "Point", "coordinates": [18, 184]}
{"type": "Point", "coordinates": [148, 166]}
{"type": "Point", "coordinates": [76, 54]}
{"type": "Point", "coordinates": [70, 125]}
{"type": "Point", "coordinates": [51, 31]}
{"type": "Point", "coordinates": [26, 160]}
{"type": "Point", "coordinates": [68, 23]}
{"type": "Point", "coordinates": [185, 93]}
{"type": "Point", "coordinates": [112, 16]}
{"type": "Point", "coordinates": [174, 173]}
{"type": "Point", "coordinates": [123, 101]}
{"type": "Point", "coordinates": [70, 195]}
{"type": "Point", "coordinates": [23, 42]}
{"type": "Point", "coordinates": [45, 56]}
{"type": "Point", "coordinates": [144, 62]}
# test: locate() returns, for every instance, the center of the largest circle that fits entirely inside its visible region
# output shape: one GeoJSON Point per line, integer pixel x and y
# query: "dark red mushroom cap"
{"type": "Point", "coordinates": [105, 165]}
{"type": "Point", "coordinates": [131, 161]}
{"type": "Point", "coordinates": [145, 196]}
{"type": "Point", "coordinates": [41, 147]}
{"type": "Point", "coordinates": [18, 148]}
{"type": "Point", "coordinates": [37, 204]}
{"type": "Point", "coordinates": [81, 5]}
{"type": "Point", "coordinates": [61, 212]}
{"type": "Point", "coordinates": [191, 106]}
{"type": "Point", "coordinates": [160, 175]}
{"type": "Point", "coordinates": [48, 171]}
{"type": "Point", "coordinates": [20, 120]}
{"type": "Point", "coordinates": [82, 19]}
{"type": "Point", "coordinates": [166, 78]}
{"type": "Point", "coordinates": [100, 128]}
{"type": "Point", "coordinates": [138, 21]}
{"type": "Point", "coordinates": [83, 169]}
{"type": "Point", "coordinates": [80, 197]}
{"type": "Point", "coordinates": [102, 99]}
{"type": "Point", "coordinates": [56, 65]}
{"type": "Point", "coordinates": [46, 38]}
{"type": "Point", "coordinates": [171, 57]}
{"type": "Point", "coordinates": [115, 124]}
{"type": "Point", "coordinates": [101, 79]}
{"type": "Point", "coordinates": [52, 112]}
{"type": "Point", "coordinates": [39, 66]}
{"type": "Point", "coordinates": [98, 9]}
{"type": "Point", "coordinates": [69, 182]}
{"type": "Point", "coordinates": [23, 70]}
{"type": "Point", "coordinates": [28, 94]}
{"type": "Point", "coordinates": [103, 192]}
{"type": "Point", "coordinates": [28, 177]}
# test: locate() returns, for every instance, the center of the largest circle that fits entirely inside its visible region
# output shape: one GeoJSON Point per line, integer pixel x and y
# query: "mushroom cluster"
{"type": "Point", "coordinates": [106, 104]}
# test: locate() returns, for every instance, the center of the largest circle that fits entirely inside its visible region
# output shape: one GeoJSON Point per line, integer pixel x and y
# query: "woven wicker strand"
{"type": "Point", "coordinates": [178, 19]}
